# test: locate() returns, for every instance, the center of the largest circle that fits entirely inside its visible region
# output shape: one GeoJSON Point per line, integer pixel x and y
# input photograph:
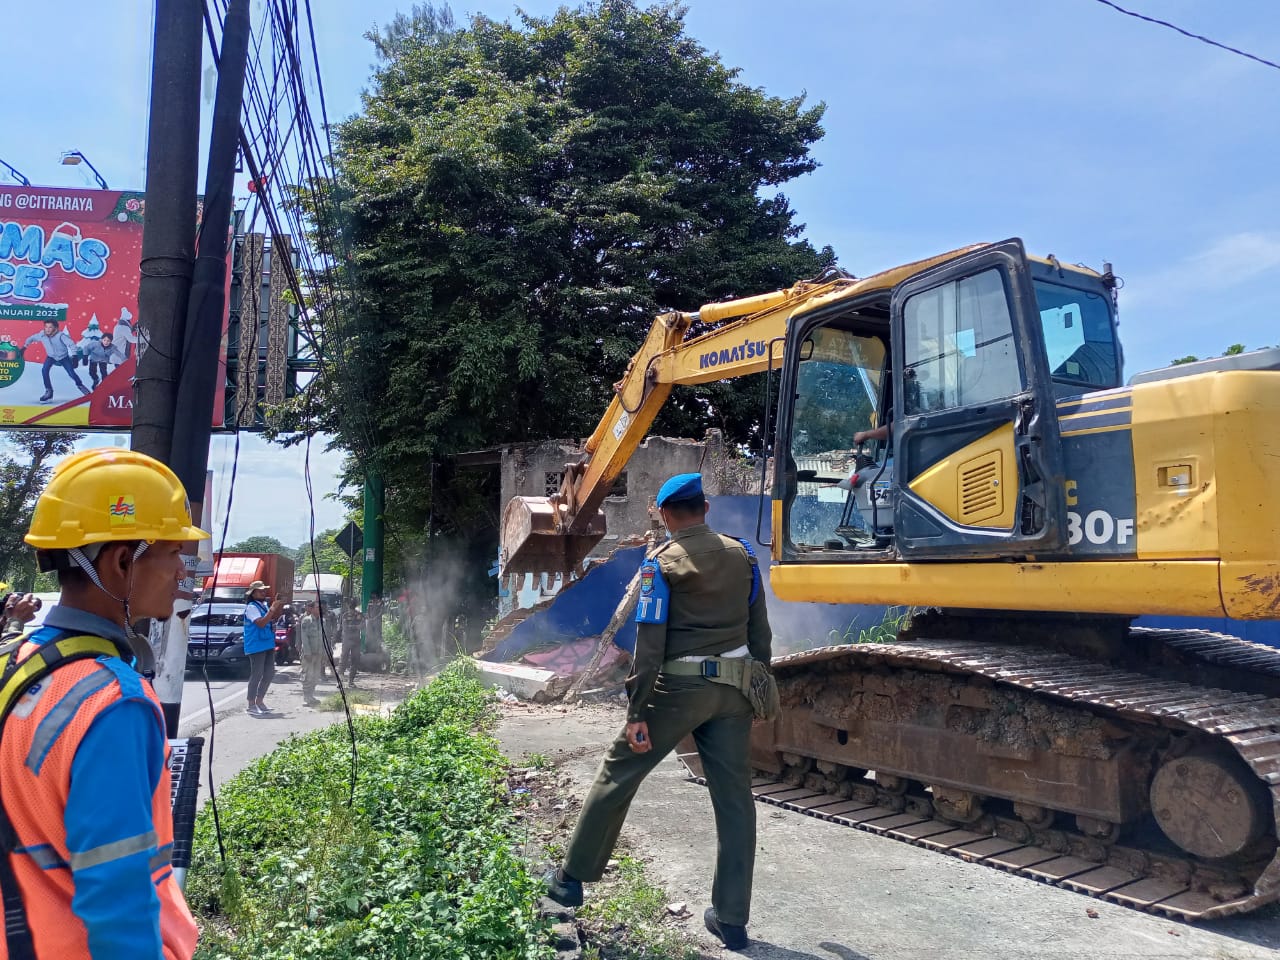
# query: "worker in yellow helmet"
{"type": "Point", "coordinates": [84, 784]}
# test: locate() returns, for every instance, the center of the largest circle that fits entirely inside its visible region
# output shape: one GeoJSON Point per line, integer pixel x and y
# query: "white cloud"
{"type": "Point", "coordinates": [1228, 262]}
{"type": "Point", "coordinates": [270, 496]}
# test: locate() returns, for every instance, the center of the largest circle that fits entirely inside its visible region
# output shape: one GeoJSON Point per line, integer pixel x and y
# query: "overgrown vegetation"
{"type": "Point", "coordinates": [637, 908]}
{"type": "Point", "coordinates": [886, 631]}
{"type": "Point", "coordinates": [421, 865]}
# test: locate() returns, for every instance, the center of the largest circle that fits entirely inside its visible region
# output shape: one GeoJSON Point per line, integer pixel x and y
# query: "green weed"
{"type": "Point", "coordinates": [631, 922]}
{"type": "Point", "coordinates": [420, 865]}
{"type": "Point", "coordinates": [334, 700]}
{"type": "Point", "coordinates": [886, 631]}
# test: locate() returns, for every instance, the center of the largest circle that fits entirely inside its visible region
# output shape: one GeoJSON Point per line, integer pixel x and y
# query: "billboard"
{"type": "Point", "coordinates": [69, 270]}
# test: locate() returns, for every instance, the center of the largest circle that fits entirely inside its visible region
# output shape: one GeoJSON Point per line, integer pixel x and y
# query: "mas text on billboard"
{"type": "Point", "coordinates": [27, 254]}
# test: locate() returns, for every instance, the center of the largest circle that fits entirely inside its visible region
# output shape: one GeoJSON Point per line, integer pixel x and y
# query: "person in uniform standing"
{"type": "Point", "coordinates": [701, 614]}
{"type": "Point", "coordinates": [88, 838]}
{"type": "Point", "coordinates": [351, 625]}
{"type": "Point", "coordinates": [313, 652]}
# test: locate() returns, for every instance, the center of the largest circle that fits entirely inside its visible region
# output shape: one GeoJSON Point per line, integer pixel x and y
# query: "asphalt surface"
{"type": "Point", "coordinates": [225, 687]}
{"type": "Point", "coordinates": [828, 892]}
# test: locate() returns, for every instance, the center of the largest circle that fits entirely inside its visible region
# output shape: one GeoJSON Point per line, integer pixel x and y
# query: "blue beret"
{"type": "Point", "coordinates": [683, 486]}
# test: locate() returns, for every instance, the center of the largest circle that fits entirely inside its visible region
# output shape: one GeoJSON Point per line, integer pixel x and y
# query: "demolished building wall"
{"type": "Point", "coordinates": [536, 470]}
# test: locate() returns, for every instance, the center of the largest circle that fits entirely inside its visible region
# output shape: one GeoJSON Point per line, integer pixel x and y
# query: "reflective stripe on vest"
{"type": "Point", "coordinates": [37, 749]}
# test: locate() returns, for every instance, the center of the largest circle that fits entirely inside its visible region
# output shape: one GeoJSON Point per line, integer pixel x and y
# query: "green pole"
{"type": "Point", "coordinates": [371, 580]}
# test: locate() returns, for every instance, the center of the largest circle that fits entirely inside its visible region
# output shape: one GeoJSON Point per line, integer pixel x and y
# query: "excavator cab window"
{"type": "Point", "coordinates": [1079, 331]}
{"type": "Point", "coordinates": [840, 384]}
{"type": "Point", "coordinates": [976, 448]}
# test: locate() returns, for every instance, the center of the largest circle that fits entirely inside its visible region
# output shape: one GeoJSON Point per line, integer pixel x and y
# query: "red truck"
{"type": "Point", "coordinates": [233, 572]}
{"type": "Point", "coordinates": [217, 620]}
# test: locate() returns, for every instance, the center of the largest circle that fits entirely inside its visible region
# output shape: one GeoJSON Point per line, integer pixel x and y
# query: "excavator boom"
{"type": "Point", "coordinates": [555, 534]}
{"type": "Point", "coordinates": [745, 336]}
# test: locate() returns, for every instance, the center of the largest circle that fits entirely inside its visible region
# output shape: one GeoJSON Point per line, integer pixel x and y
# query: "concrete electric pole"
{"type": "Point", "coordinates": [181, 306]}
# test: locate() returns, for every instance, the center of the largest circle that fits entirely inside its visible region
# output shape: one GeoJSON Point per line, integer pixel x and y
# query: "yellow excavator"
{"type": "Point", "coordinates": [1028, 506]}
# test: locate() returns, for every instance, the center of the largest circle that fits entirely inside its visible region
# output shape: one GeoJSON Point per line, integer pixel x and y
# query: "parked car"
{"type": "Point", "coordinates": [217, 636]}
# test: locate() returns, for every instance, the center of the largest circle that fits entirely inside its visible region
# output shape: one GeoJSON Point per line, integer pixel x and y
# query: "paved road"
{"type": "Point", "coordinates": [226, 688]}
{"type": "Point", "coordinates": [827, 892]}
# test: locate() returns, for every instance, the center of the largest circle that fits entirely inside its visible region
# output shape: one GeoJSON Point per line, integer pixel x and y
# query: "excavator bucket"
{"type": "Point", "coordinates": [531, 542]}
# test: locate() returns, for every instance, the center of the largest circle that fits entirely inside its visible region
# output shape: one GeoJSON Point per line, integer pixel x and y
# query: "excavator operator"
{"type": "Point", "coordinates": [84, 787]}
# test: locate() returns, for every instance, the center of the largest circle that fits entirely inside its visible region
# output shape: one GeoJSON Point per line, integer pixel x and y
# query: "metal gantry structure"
{"type": "Point", "coordinates": [272, 353]}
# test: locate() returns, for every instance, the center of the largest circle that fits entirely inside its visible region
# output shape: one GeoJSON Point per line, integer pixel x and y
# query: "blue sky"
{"type": "Point", "coordinates": [1091, 135]}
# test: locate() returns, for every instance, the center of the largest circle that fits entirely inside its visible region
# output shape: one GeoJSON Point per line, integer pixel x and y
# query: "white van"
{"type": "Point", "coordinates": [331, 586]}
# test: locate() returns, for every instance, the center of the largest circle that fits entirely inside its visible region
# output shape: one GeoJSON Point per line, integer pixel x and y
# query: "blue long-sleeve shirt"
{"type": "Point", "coordinates": [111, 835]}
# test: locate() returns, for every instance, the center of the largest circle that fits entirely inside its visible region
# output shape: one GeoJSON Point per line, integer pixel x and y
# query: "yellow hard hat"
{"type": "Point", "coordinates": [111, 494]}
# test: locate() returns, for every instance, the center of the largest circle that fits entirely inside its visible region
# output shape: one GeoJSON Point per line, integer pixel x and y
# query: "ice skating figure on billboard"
{"type": "Point", "coordinates": [59, 351]}
{"type": "Point", "coordinates": [101, 354]}
{"type": "Point", "coordinates": [124, 335]}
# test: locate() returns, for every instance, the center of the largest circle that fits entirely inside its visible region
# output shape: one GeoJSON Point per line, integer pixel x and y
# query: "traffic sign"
{"type": "Point", "coordinates": [351, 539]}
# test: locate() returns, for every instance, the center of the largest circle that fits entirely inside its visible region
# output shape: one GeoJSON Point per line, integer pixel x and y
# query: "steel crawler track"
{"type": "Point", "coordinates": [1157, 882]}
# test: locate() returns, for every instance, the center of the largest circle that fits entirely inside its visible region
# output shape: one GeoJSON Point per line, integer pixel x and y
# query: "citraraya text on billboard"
{"type": "Point", "coordinates": [69, 337]}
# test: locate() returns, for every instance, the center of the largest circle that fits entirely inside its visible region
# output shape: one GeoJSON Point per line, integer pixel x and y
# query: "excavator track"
{"type": "Point", "coordinates": [1099, 704]}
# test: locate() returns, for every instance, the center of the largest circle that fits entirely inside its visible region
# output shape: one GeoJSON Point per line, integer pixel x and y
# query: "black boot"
{"type": "Point", "coordinates": [563, 889]}
{"type": "Point", "coordinates": [733, 937]}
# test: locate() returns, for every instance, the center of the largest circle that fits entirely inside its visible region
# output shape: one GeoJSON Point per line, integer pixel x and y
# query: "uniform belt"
{"type": "Point", "coordinates": [724, 669]}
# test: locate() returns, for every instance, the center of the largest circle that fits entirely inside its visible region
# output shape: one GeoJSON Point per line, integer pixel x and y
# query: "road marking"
{"type": "Point", "coordinates": [205, 709]}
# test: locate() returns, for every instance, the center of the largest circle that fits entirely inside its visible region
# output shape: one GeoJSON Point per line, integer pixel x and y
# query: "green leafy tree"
{"type": "Point", "coordinates": [327, 557]}
{"type": "Point", "coordinates": [424, 23]}
{"type": "Point", "coordinates": [1234, 350]}
{"type": "Point", "coordinates": [26, 460]}
{"type": "Point", "coordinates": [260, 544]}
{"type": "Point", "coordinates": [522, 199]}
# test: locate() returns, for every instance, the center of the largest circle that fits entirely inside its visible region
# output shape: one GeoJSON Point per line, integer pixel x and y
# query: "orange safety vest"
{"type": "Point", "coordinates": [37, 782]}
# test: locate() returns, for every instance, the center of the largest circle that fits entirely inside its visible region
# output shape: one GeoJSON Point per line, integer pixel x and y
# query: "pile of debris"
{"type": "Point", "coordinates": [550, 674]}
{"type": "Point", "coordinates": [570, 665]}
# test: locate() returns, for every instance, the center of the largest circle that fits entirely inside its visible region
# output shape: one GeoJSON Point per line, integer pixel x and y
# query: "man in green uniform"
{"type": "Point", "coordinates": [701, 612]}
{"type": "Point", "coordinates": [313, 651]}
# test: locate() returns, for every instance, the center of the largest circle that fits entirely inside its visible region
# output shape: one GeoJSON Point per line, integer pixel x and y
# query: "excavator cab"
{"type": "Point", "coordinates": [955, 360]}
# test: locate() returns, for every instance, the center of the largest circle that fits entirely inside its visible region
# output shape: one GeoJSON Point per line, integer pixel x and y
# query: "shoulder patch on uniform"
{"type": "Point", "coordinates": [755, 567]}
{"type": "Point", "coordinates": [60, 714]}
{"type": "Point", "coordinates": [27, 702]}
{"type": "Point", "coordinates": [655, 594]}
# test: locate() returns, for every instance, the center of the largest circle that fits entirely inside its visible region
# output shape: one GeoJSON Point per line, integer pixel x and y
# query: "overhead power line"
{"type": "Point", "coordinates": [1188, 33]}
{"type": "Point", "coordinates": [288, 162]}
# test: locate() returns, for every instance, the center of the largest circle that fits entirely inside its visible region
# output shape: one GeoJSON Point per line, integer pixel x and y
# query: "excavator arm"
{"type": "Point", "coordinates": [546, 534]}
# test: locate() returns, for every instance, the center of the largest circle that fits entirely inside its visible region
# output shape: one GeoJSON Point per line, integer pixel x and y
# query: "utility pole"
{"type": "Point", "coordinates": [371, 571]}
{"type": "Point", "coordinates": [197, 331]}
{"type": "Point", "coordinates": [168, 250]}
{"type": "Point", "coordinates": [169, 230]}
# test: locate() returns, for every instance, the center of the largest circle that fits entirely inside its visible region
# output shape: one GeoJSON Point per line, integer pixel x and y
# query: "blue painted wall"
{"type": "Point", "coordinates": [584, 610]}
